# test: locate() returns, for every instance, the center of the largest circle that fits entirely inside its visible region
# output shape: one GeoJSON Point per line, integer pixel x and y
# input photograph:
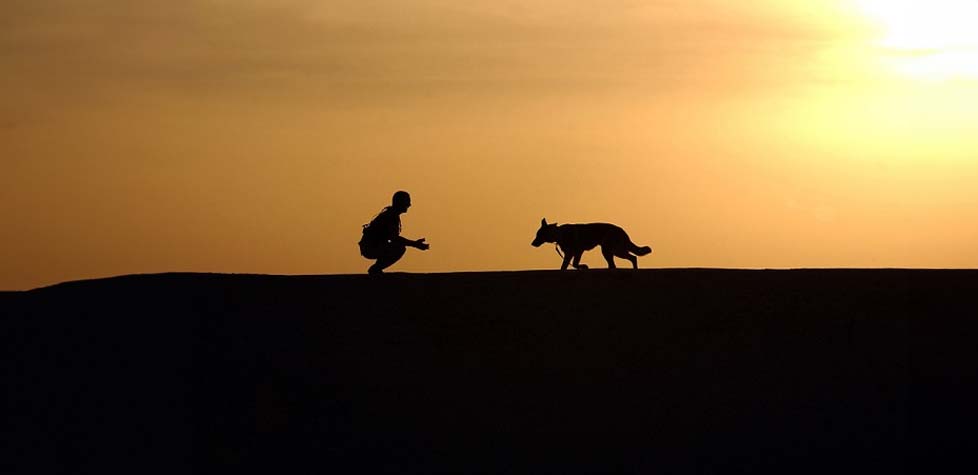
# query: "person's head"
{"type": "Point", "coordinates": [401, 201]}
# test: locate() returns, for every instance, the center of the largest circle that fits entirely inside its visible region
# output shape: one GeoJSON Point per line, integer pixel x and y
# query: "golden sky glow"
{"type": "Point", "coordinates": [258, 135]}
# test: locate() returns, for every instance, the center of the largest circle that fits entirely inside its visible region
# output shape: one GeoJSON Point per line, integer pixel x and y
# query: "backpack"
{"type": "Point", "coordinates": [373, 232]}
{"type": "Point", "coordinates": [369, 233]}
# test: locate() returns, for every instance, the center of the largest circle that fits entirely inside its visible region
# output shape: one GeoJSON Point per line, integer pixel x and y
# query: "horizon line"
{"type": "Point", "coordinates": [498, 271]}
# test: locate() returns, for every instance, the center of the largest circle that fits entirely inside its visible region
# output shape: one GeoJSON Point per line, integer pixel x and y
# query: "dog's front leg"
{"type": "Point", "coordinates": [567, 259]}
{"type": "Point", "coordinates": [577, 262]}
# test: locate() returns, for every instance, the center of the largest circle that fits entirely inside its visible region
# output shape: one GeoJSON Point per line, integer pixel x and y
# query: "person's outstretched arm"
{"type": "Point", "coordinates": [417, 244]}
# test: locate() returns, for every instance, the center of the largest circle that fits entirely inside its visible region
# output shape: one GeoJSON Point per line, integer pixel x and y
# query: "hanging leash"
{"type": "Point", "coordinates": [557, 248]}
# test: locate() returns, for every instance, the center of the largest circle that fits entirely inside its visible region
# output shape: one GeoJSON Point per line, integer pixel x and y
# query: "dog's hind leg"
{"type": "Point", "coordinates": [630, 258]}
{"type": "Point", "coordinates": [634, 261]}
{"type": "Point", "coordinates": [609, 256]}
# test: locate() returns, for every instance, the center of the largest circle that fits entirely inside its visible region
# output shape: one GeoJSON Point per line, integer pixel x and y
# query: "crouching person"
{"type": "Point", "coordinates": [382, 239]}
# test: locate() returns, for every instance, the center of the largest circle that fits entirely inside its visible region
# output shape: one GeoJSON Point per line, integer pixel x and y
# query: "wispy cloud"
{"type": "Point", "coordinates": [228, 45]}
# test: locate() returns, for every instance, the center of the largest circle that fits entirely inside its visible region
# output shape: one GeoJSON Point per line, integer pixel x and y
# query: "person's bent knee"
{"type": "Point", "coordinates": [392, 252]}
{"type": "Point", "coordinates": [396, 251]}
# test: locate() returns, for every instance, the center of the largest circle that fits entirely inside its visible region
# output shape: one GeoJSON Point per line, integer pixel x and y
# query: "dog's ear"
{"type": "Point", "coordinates": [543, 222]}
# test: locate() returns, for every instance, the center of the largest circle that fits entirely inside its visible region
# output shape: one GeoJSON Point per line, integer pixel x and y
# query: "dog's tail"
{"type": "Point", "coordinates": [639, 251]}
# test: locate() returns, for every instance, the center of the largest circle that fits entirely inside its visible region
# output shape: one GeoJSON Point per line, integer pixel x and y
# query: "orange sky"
{"type": "Point", "coordinates": [257, 136]}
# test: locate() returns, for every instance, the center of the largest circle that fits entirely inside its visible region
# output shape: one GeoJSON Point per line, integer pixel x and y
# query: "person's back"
{"type": "Point", "coordinates": [382, 236]}
{"type": "Point", "coordinates": [380, 232]}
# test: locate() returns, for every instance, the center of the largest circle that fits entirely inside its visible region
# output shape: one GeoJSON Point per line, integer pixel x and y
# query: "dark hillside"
{"type": "Point", "coordinates": [652, 371]}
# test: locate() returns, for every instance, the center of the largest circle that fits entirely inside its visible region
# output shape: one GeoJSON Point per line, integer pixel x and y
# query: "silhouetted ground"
{"type": "Point", "coordinates": [652, 371]}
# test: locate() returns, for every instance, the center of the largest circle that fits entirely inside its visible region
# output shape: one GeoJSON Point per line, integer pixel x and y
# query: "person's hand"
{"type": "Point", "coordinates": [420, 244]}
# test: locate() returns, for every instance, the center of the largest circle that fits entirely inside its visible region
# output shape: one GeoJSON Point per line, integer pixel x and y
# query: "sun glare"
{"type": "Point", "coordinates": [936, 39]}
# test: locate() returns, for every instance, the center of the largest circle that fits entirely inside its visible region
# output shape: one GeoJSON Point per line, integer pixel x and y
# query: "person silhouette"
{"type": "Point", "coordinates": [382, 239]}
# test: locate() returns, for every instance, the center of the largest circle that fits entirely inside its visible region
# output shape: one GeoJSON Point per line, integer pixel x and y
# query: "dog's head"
{"type": "Point", "coordinates": [546, 233]}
